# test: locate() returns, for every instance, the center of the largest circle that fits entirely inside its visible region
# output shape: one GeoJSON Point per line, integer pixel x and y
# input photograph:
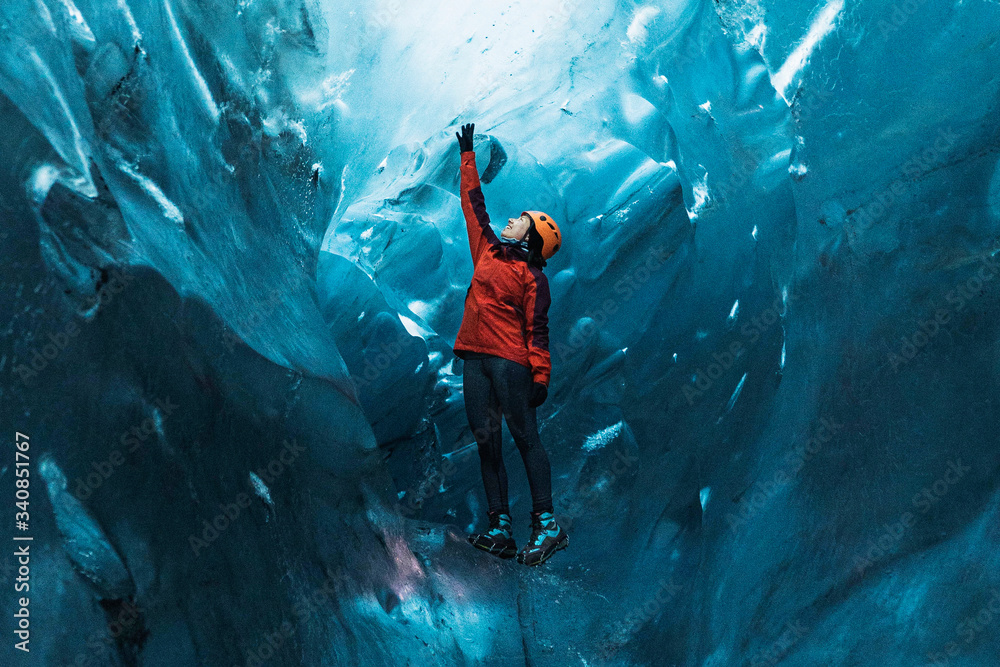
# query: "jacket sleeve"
{"type": "Point", "coordinates": [536, 316]}
{"type": "Point", "coordinates": [477, 222]}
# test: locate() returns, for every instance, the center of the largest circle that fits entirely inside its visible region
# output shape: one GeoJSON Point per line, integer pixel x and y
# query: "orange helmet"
{"type": "Point", "coordinates": [548, 230]}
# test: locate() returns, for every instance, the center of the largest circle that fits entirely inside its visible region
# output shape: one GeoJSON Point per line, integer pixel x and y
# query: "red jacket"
{"type": "Point", "coordinates": [507, 304]}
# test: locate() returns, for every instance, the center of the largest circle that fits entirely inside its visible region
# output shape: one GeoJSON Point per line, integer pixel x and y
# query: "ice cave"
{"type": "Point", "coordinates": [235, 264]}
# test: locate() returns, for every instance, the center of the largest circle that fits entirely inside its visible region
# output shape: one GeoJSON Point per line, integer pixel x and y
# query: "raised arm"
{"type": "Point", "coordinates": [536, 321]}
{"type": "Point", "coordinates": [477, 221]}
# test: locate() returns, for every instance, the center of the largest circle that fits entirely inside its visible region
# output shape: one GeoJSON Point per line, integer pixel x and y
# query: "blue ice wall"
{"type": "Point", "coordinates": [235, 264]}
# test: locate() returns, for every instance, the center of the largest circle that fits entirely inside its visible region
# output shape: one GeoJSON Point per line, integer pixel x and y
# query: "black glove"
{"type": "Point", "coordinates": [538, 395]}
{"type": "Point", "coordinates": [465, 139]}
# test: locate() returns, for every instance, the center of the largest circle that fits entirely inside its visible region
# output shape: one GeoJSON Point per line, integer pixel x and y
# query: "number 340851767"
{"type": "Point", "coordinates": [22, 472]}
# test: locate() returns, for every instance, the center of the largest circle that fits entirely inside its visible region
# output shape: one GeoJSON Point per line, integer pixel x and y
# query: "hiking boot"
{"type": "Point", "coordinates": [498, 540]}
{"type": "Point", "coordinates": [547, 537]}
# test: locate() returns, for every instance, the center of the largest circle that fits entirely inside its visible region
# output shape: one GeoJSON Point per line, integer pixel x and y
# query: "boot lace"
{"type": "Point", "coordinates": [542, 526]}
{"type": "Point", "coordinates": [499, 525]}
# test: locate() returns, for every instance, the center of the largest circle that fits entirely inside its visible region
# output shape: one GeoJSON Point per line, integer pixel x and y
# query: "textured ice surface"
{"type": "Point", "coordinates": [234, 265]}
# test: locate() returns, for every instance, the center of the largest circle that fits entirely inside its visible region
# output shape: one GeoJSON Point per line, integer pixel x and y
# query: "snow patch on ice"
{"type": "Point", "coordinates": [334, 87]}
{"type": "Point", "coordinates": [699, 189]}
{"type": "Point", "coordinates": [41, 181]}
{"type": "Point", "coordinates": [260, 488]}
{"type": "Point", "coordinates": [757, 36]}
{"type": "Point", "coordinates": [638, 30]}
{"type": "Point", "coordinates": [603, 437]}
{"type": "Point", "coordinates": [153, 190]}
{"type": "Point", "coordinates": [797, 170]}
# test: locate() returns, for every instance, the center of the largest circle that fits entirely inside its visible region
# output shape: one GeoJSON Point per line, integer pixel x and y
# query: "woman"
{"type": "Point", "coordinates": [504, 341]}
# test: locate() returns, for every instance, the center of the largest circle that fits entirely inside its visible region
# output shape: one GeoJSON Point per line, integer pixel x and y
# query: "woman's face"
{"type": "Point", "coordinates": [516, 228]}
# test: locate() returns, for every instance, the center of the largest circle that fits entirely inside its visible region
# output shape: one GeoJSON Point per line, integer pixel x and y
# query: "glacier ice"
{"type": "Point", "coordinates": [774, 329]}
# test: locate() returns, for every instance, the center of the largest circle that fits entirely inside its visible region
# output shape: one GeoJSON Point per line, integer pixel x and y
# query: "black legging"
{"type": "Point", "coordinates": [491, 385]}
